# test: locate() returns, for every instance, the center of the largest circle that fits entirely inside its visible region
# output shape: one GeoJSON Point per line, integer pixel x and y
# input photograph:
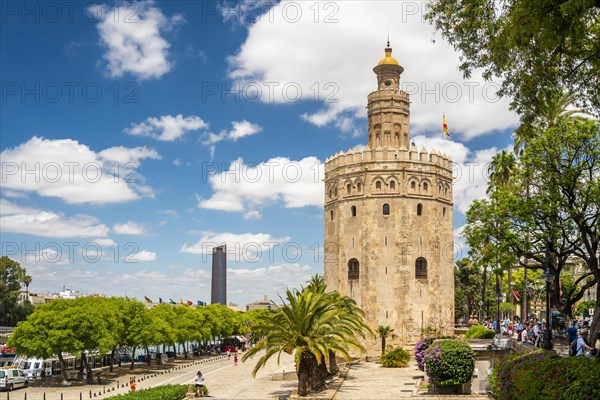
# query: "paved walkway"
{"type": "Point", "coordinates": [226, 381]}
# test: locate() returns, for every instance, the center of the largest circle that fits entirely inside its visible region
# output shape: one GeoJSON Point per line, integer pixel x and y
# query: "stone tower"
{"type": "Point", "coordinates": [388, 221]}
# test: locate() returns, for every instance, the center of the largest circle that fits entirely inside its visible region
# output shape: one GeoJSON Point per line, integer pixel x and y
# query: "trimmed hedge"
{"type": "Point", "coordinates": [544, 375]}
{"type": "Point", "coordinates": [449, 362]}
{"type": "Point", "coordinates": [397, 358]}
{"type": "Point", "coordinates": [479, 332]}
{"type": "Point", "coordinates": [169, 392]}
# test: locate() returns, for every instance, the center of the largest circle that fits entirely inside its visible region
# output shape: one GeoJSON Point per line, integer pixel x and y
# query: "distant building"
{"type": "Point", "coordinates": [218, 292]}
{"type": "Point", "coordinates": [234, 307]}
{"type": "Point", "coordinates": [264, 304]}
{"type": "Point", "coordinates": [34, 298]}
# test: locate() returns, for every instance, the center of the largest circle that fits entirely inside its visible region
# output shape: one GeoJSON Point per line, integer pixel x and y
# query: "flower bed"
{"type": "Point", "coordinates": [449, 362]}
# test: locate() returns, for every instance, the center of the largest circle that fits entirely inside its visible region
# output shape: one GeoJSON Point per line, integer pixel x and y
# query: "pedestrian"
{"type": "Point", "coordinates": [43, 376]}
{"type": "Point", "coordinates": [581, 345]}
{"type": "Point", "coordinates": [199, 384]}
{"type": "Point", "coordinates": [132, 384]}
{"type": "Point", "coordinates": [228, 353]}
{"type": "Point", "coordinates": [572, 332]}
{"type": "Point", "coordinates": [235, 359]}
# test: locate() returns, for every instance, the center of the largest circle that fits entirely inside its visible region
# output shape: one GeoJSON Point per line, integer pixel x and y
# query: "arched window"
{"type": "Point", "coordinates": [331, 215]}
{"type": "Point", "coordinates": [413, 185]}
{"type": "Point", "coordinates": [386, 209]}
{"type": "Point", "coordinates": [335, 192]}
{"type": "Point", "coordinates": [419, 209]}
{"type": "Point", "coordinates": [425, 186]}
{"type": "Point", "coordinates": [393, 185]}
{"type": "Point", "coordinates": [378, 185]}
{"type": "Point", "coordinates": [421, 268]}
{"type": "Point", "coordinates": [353, 269]}
{"type": "Point", "coordinates": [348, 188]}
{"type": "Point", "coordinates": [444, 212]}
{"type": "Point", "coordinates": [359, 187]}
{"type": "Point", "coordinates": [353, 210]}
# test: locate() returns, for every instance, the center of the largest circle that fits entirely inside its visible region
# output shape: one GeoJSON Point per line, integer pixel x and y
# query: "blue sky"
{"type": "Point", "coordinates": [137, 135]}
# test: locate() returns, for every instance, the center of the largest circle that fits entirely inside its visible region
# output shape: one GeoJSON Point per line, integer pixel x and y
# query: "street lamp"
{"type": "Point", "coordinates": [549, 278]}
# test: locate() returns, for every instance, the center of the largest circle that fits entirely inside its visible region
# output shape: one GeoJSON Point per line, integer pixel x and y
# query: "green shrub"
{"type": "Point", "coordinates": [544, 375]}
{"type": "Point", "coordinates": [397, 358]}
{"type": "Point", "coordinates": [169, 392]}
{"type": "Point", "coordinates": [449, 362]}
{"type": "Point", "coordinates": [479, 332]}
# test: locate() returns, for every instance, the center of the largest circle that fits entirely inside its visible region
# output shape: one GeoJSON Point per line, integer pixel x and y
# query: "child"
{"type": "Point", "coordinates": [199, 384]}
{"type": "Point", "coordinates": [235, 359]}
{"type": "Point", "coordinates": [132, 384]}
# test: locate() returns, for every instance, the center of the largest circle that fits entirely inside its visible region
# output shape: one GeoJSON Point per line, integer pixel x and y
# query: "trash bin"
{"type": "Point", "coordinates": [158, 359]}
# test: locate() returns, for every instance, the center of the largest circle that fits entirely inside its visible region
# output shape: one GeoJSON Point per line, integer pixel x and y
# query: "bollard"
{"type": "Point", "coordinates": [25, 398]}
{"type": "Point", "coordinates": [61, 396]}
{"type": "Point", "coordinates": [90, 395]}
{"type": "Point", "coordinates": [44, 395]}
{"type": "Point", "coordinates": [80, 396]}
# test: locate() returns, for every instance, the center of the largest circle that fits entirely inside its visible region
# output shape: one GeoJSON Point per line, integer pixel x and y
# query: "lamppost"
{"type": "Point", "coordinates": [549, 278]}
{"type": "Point", "coordinates": [498, 296]}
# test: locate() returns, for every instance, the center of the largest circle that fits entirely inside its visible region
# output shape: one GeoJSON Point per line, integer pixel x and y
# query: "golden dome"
{"type": "Point", "coordinates": [388, 59]}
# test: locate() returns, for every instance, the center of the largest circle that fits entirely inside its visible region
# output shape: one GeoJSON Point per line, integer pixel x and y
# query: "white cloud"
{"type": "Point", "coordinates": [124, 155]}
{"type": "Point", "coordinates": [177, 162]}
{"type": "Point", "coordinates": [239, 130]}
{"type": "Point", "coordinates": [104, 242]}
{"type": "Point", "coordinates": [71, 171]}
{"type": "Point", "coordinates": [167, 127]}
{"type": "Point", "coordinates": [245, 247]}
{"type": "Point", "coordinates": [131, 34]}
{"type": "Point", "coordinates": [142, 256]}
{"type": "Point", "coordinates": [286, 50]}
{"type": "Point", "coordinates": [130, 228]}
{"type": "Point", "coordinates": [30, 221]}
{"type": "Point", "coordinates": [245, 188]}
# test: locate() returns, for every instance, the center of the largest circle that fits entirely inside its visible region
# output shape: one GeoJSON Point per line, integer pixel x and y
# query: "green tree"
{"type": "Point", "coordinates": [384, 332]}
{"type": "Point", "coordinates": [533, 45]}
{"type": "Point", "coordinates": [12, 278]}
{"type": "Point", "coordinates": [467, 286]}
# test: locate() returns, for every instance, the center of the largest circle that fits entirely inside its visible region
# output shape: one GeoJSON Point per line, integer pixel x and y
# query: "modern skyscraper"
{"type": "Point", "coordinates": [388, 220]}
{"type": "Point", "coordinates": [218, 290]}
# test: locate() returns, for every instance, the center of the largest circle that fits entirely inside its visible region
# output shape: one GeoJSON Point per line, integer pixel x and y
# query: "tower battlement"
{"type": "Point", "coordinates": [401, 154]}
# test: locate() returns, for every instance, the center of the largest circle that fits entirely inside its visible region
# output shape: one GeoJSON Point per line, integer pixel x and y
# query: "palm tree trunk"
{"type": "Point", "coordinates": [382, 345]}
{"type": "Point", "coordinates": [310, 377]}
{"type": "Point", "coordinates": [333, 367]}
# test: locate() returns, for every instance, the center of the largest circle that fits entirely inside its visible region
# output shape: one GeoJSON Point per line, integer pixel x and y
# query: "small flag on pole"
{"type": "Point", "coordinates": [516, 294]}
{"type": "Point", "coordinates": [171, 301]}
{"type": "Point", "coordinates": [160, 300]}
{"type": "Point", "coordinates": [189, 303]}
{"type": "Point", "coordinates": [181, 302]}
{"type": "Point", "coordinates": [446, 133]}
{"type": "Point", "coordinates": [147, 300]}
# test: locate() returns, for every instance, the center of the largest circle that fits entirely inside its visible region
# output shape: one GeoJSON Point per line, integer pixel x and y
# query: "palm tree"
{"type": "Point", "coordinates": [309, 323]}
{"type": "Point", "coordinates": [384, 332]}
{"type": "Point", "coordinates": [501, 170]}
{"type": "Point", "coordinates": [554, 105]}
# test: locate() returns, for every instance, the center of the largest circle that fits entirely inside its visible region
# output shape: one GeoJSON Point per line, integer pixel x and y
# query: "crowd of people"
{"type": "Point", "coordinates": [532, 333]}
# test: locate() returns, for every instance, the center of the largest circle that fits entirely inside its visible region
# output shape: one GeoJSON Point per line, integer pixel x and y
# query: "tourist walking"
{"type": "Point", "coordinates": [581, 346]}
{"type": "Point", "coordinates": [199, 384]}
{"type": "Point", "coordinates": [132, 384]}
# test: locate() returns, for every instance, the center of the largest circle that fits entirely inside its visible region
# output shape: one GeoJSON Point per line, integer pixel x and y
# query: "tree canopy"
{"type": "Point", "coordinates": [533, 46]}
{"type": "Point", "coordinates": [12, 278]}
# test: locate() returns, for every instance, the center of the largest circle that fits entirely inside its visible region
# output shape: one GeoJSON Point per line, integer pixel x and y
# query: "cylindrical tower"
{"type": "Point", "coordinates": [388, 221]}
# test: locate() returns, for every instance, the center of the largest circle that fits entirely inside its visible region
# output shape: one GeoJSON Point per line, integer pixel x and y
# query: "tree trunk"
{"type": "Point", "coordinates": [112, 359]}
{"type": "Point", "coordinates": [595, 327]}
{"type": "Point", "coordinates": [63, 366]}
{"type": "Point", "coordinates": [483, 287]}
{"type": "Point", "coordinates": [310, 378]}
{"type": "Point", "coordinates": [382, 345]}
{"type": "Point", "coordinates": [148, 358]}
{"type": "Point", "coordinates": [333, 367]}
{"type": "Point", "coordinates": [132, 357]}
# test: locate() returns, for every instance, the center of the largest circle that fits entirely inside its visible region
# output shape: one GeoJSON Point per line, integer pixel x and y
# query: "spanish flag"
{"type": "Point", "coordinates": [147, 300]}
{"type": "Point", "coordinates": [446, 133]}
